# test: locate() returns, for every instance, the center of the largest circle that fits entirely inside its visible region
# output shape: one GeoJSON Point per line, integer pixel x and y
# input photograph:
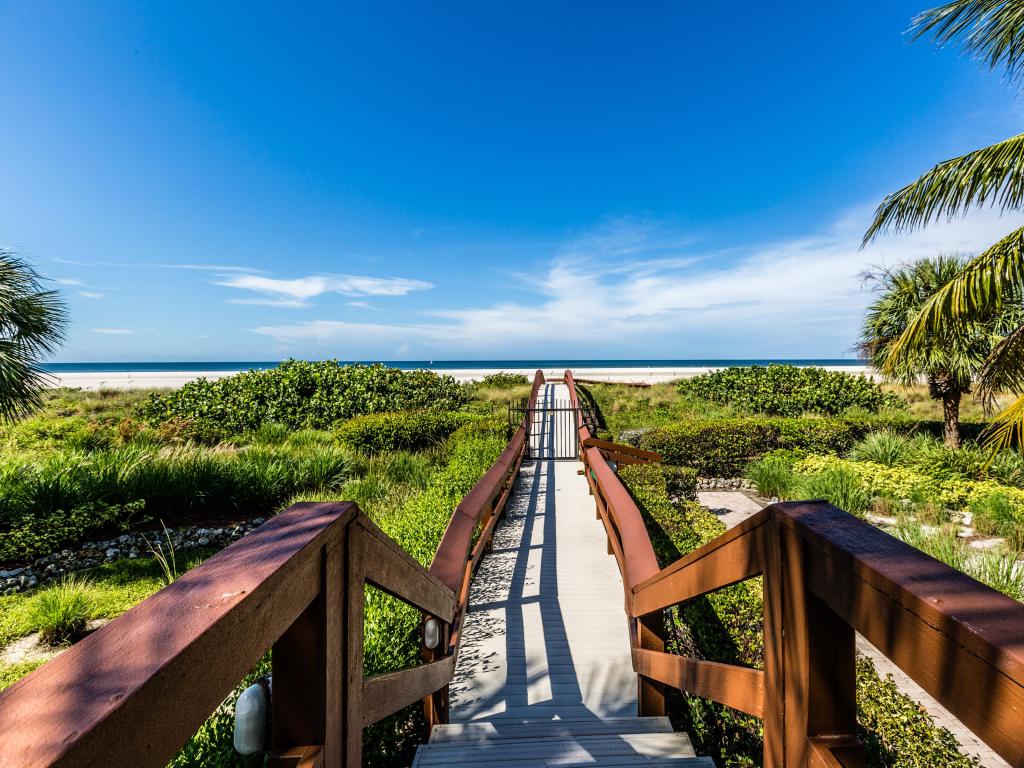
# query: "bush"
{"type": "Point", "coordinates": [786, 390]}
{"type": "Point", "coordinates": [503, 380]}
{"type": "Point", "coordinates": [300, 394]}
{"type": "Point", "coordinates": [724, 447]}
{"type": "Point", "coordinates": [61, 612]}
{"type": "Point", "coordinates": [406, 430]}
{"type": "Point", "coordinates": [725, 626]}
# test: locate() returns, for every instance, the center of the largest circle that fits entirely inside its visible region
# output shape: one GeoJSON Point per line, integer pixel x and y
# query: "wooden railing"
{"type": "Point", "coordinates": [827, 575]}
{"type": "Point", "coordinates": [131, 693]}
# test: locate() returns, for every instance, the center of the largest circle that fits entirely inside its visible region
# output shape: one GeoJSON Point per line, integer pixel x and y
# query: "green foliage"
{"type": "Point", "coordinates": [726, 626]}
{"type": "Point", "coordinates": [64, 496]}
{"type": "Point", "coordinates": [503, 380]}
{"type": "Point", "coordinates": [403, 430]}
{"type": "Point", "coordinates": [723, 447]}
{"type": "Point", "coordinates": [786, 390]}
{"type": "Point", "coordinates": [773, 476]}
{"type": "Point", "coordinates": [996, 514]}
{"type": "Point", "coordinates": [839, 485]}
{"type": "Point", "coordinates": [300, 394]}
{"type": "Point", "coordinates": [33, 321]}
{"type": "Point", "coordinates": [896, 731]}
{"type": "Point", "coordinates": [883, 447]}
{"type": "Point", "coordinates": [61, 611]}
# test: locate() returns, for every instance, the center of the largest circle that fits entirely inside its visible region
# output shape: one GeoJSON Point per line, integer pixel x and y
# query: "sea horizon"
{"type": "Point", "coordinates": [440, 365]}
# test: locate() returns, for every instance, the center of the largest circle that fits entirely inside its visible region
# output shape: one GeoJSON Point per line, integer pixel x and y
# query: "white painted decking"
{"type": "Point", "coordinates": [544, 675]}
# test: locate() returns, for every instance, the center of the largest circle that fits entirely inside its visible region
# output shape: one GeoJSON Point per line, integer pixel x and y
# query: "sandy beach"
{"type": "Point", "coordinates": [171, 379]}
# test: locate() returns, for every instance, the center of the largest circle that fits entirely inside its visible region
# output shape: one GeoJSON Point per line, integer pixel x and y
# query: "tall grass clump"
{"type": "Point", "coordinates": [883, 447]}
{"type": "Point", "coordinates": [773, 477]}
{"type": "Point", "coordinates": [61, 612]}
{"type": "Point", "coordinates": [839, 486]}
{"type": "Point", "coordinates": [996, 515]}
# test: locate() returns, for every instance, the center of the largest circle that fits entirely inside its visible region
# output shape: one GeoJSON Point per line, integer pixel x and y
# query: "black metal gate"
{"type": "Point", "coordinates": [552, 428]}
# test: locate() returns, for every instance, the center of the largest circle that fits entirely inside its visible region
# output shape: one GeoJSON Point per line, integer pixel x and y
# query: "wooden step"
{"type": "Point", "coordinates": [495, 730]}
{"type": "Point", "coordinates": [603, 750]}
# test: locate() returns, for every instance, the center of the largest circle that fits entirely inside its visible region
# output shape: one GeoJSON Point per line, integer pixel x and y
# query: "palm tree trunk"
{"type": "Point", "coordinates": [951, 418]}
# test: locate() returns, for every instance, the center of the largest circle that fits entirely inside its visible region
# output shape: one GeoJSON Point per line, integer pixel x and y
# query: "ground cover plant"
{"type": "Point", "coordinates": [788, 390]}
{"type": "Point", "coordinates": [725, 626]}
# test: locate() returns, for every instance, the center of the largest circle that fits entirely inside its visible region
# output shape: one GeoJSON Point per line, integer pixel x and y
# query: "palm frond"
{"type": "Point", "coordinates": [1003, 370]}
{"type": "Point", "coordinates": [991, 31]}
{"type": "Point", "coordinates": [32, 323]}
{"type": "Point", "coordinates": [986, 283]}
{"type": "Point", "coordinates": [991, 176]}
{"type": "Point", "coordinates": [1007, 428]}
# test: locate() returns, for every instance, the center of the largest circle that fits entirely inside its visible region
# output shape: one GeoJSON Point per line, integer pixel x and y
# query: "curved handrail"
{"type": "Point", "coordinates": [828, 575]}
{"type": "Point", "coordinates": [295, 584]}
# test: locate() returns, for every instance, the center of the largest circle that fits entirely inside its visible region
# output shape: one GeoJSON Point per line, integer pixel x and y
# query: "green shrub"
{"type": "Point", "coordinates": [996, 514]}
{"type": "Point", "coordinates": [60, 612]}
{"type": "Point", "coordinates": [725, 626]}
{"type": "Point", "coordinates": [724, 447]}
{"type": "Point", "coordinates": [504, 380]}
{"type": "Point", "coordinates": [786, 390]}
{"type": "Point", "coordinates": [404, 430]}
{"type": "Point", "coordinates": [300, 394]}
{"type": "Point", "coordinates": [772, 476]}
{"type": "Point", "coordinates": [883, 447]}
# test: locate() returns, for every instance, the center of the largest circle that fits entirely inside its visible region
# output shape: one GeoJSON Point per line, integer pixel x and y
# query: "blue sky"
{"type": "Point", "coordinates": [473, 180]}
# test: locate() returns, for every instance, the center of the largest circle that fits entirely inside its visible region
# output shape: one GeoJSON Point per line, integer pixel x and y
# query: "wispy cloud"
{"type": "Point", "coordinates": [663, 296]}
{"type": "Point", "coordinates": [298, 291]}
{"type": "Point", "coordinates": [113, 331]}
{"type": "Point", "coordinates": [222, 268]}
{"type": "Point", "coordinates": [67, 281]}
{"type": "Point", "coordinates": [91, 294]}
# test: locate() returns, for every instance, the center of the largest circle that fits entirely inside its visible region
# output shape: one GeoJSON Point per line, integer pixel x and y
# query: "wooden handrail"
{"type": "Point", "coordinates": [827, 575]}
{"type": "Point", "coordinates": [134, 691]}
{"type": "Point", "coordinates": [629, 542]}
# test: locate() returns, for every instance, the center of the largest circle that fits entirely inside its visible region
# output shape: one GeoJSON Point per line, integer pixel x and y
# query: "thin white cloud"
{"type": "Point", "coordinates": [800, 296]}
{"type": "Point", "coordinates": [298, 291]}
{"type": "Point", "coordinates": [67, 281]}
{"type": "Point", "coordinates": [113, 331]}
{"type": "Point", "coordinates": [223, 268]}
{"type": "Point", "coordinates": [91, 294]}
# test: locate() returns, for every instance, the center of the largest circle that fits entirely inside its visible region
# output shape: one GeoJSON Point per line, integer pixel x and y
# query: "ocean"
{"type": "Point", "coordinates": [437, 365]}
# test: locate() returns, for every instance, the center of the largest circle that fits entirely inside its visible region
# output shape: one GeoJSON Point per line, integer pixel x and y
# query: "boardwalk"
{"type": "Point", "coordinates": [544, 675]}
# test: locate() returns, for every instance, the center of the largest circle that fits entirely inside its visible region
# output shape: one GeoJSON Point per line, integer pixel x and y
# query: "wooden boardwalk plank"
{"type": "Point", "coordinates": [546, 634]}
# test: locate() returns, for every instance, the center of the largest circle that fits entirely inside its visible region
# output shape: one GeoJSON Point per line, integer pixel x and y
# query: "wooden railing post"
{"type": "Point", "coordinates": [650, 694]}
{"type": "Point", "coordinates": [810, 662]}
{"type": "Point", "coordinates": [308, 675]}
{"type": "Point", "coordinates": [355, 597]}
{"type": "Point", "coordinates": [435, 706]}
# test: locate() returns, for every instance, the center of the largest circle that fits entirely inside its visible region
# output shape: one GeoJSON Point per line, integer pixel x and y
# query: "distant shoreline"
{"type": "Point", "coordinates": [611, 371]}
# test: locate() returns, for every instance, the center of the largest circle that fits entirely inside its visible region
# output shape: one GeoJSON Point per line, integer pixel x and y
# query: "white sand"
{"type": "Point", "coordinates": [170, 379]}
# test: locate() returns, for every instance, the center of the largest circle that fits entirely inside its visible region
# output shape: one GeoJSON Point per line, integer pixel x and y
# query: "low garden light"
{"type": "Point", "coordinates": [431, 633]}
{"type": "Point", "coordinates": [252, 718]}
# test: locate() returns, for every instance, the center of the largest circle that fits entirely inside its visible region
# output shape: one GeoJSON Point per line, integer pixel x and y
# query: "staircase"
{"type": "Point", "coordinates": [517, 743]}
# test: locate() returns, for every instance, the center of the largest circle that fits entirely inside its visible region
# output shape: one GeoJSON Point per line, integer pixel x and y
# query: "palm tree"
{"type": "Point", "coordinates": [948, 358]}
{"type": "Point", "coordinates": [32, 323]}
{"type": "Point", "coordinates": [992, 31]}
